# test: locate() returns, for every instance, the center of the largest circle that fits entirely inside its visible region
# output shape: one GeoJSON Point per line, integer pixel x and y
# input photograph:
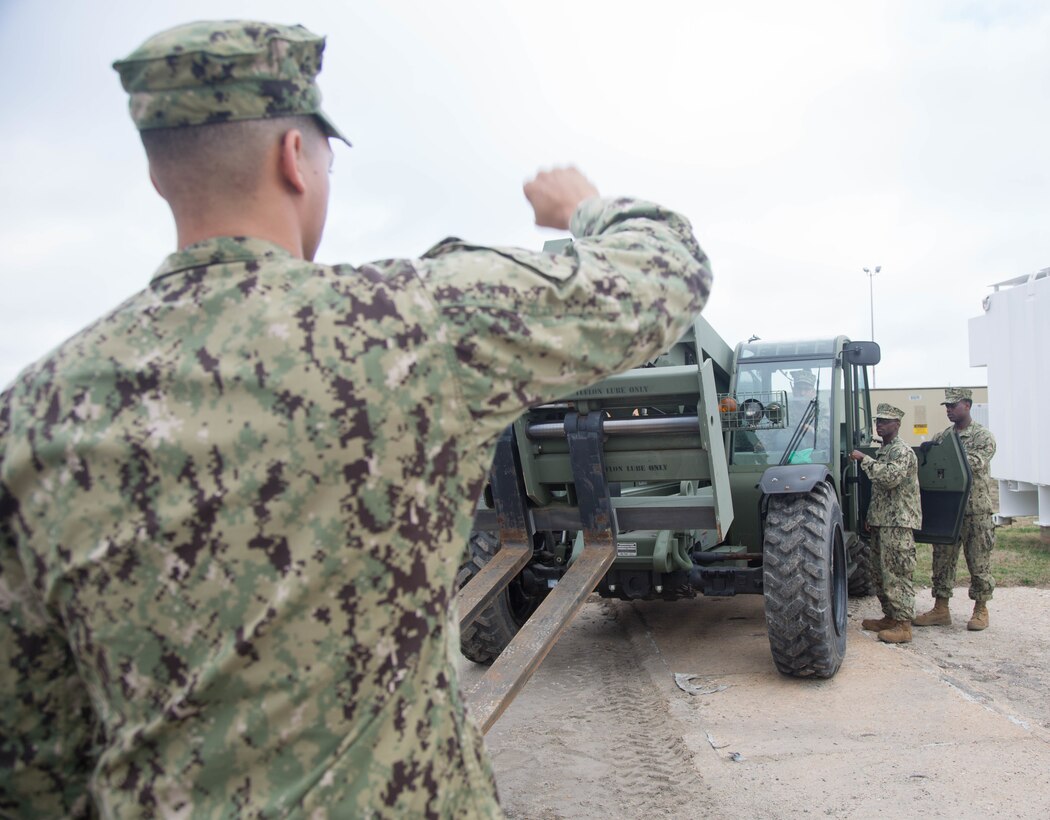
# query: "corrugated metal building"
{"type": "Point", "coordinates": [923, 414]}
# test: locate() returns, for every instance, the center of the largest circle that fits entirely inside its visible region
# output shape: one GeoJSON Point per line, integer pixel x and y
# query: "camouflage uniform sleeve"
{"type": "Point", "coordinates": [891, 470]}
{"type": "Point", "coordinates": [45, 719]}
{"type": "Point", "coordinates": [979, 450]}
{"type": "Point", "coordinates": [528, 327]}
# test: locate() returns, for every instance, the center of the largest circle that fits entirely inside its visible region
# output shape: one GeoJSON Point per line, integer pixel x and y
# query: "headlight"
{"type": "Point", "coordinates": [752, 411]}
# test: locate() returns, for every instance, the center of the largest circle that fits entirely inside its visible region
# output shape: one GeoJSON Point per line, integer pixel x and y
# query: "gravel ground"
{"type": "Point", "coordinates": [955, 724]}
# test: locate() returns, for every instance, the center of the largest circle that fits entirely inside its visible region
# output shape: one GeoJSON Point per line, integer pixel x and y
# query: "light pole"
{"type": "Point", "coordinates": [871, 301]}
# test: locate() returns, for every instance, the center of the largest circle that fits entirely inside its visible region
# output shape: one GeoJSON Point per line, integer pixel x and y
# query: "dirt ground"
{"type": "Point", "coordinates": [956, 724]}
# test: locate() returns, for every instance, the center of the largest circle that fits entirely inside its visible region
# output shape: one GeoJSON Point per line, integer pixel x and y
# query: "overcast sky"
{"type": "Point", "coordinates": [805, 141]}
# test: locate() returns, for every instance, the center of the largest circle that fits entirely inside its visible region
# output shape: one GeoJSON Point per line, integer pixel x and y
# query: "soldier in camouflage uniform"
{"type": "Point", "coordinates": [803, 392]}
{"type": "Point", "coordinates": [977, 537]}
{"type": "Point", "coordinates": [894, 511]}
{"type": "Point", "coordinates": [232, 509]}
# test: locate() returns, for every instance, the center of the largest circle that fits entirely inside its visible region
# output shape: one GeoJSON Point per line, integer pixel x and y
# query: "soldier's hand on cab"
{"type": "Point", "coordinates": [555, 194]}
{"type": "Point", "coordinates": [856, 455]}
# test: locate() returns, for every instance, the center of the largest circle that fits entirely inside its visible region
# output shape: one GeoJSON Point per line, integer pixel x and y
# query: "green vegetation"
{"type": "Point", "coordinates": [1020, 559]}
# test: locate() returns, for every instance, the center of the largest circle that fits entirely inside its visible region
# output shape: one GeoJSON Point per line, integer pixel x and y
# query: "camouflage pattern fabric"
{"type": "Point", "coordinates": [875, 570]}
{"type": "Point", "coordinates": [957, 394]}
{"type": "Point", "coordinates": [885, 410]}
{"type": "Point", "coordinates": [977, 537]}
{"type": "Point", "coordinates": [892, 568]}
{"type": "Point", "coordinates": [893, 512]}
{"type": "Point", "coordinates": [208, 72]}
{"type": "Point", "coordinates": [977, 540]}
{"type": "Point", "coordinates": [232, 511]}
{"type": "Point", "coordinates": [894, 474]}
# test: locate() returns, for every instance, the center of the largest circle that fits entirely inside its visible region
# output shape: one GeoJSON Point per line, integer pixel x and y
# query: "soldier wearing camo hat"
{"type": "Point", "coordinates": [232, 509]}
{"type": "Point", "coordinates": [977, 537]}
{"type": "Point", "coordinates": [894, 511]}
{"type": "Point", "coordinates": [803, 380]}
{"type": "Point", "coordinates": [205, 73]}
{"type": "Point", "coordinates": [803, 394]}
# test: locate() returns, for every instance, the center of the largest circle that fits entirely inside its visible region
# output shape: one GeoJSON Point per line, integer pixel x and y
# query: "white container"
{"type": "Point", "coordinates": [1012, 339]}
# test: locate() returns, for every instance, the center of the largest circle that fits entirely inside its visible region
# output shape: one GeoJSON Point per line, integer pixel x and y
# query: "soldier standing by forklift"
{"type": "Point", "coordinates": [892, 515]}
{"type": "Point", "coordinates": [977, 536]}
{"type": "Point", "coordinates": [231, 509]}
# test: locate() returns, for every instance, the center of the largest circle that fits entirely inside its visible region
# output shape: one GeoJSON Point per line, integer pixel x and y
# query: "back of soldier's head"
{"type": "Point", "coordinates": [220, 158]}
{"type": "Point", "coordinates": [210, 98]}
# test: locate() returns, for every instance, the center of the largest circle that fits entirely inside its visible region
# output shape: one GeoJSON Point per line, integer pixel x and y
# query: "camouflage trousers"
{"type": "Point", "coordinates": [892, 567]}
{"type": "Point", "coordinates": [977, 540]}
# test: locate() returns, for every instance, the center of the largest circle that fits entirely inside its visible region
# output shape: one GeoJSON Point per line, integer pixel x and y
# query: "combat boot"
{"type": "Point", "coordinates": [979, 620]}
{"type": "Point", "coordinates": [938, 616]}
{"type": "Point", "coordinates": [877, 624]}
{"type": "Point", "coordinates": [900, 632]}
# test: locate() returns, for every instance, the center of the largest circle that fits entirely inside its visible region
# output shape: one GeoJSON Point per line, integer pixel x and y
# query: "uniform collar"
{"type": "Point", "coordinates": [219, 250]}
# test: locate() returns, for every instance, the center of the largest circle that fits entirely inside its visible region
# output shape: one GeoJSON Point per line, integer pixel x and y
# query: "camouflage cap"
{"type": "Point", "coordinates": [888, 411]}
{"type": "Point", "coordinates": [803, 378]}
{"type": "Point", "coordinates": [210, 72]}
{"type": "Point", "coordinates": [953, 395]}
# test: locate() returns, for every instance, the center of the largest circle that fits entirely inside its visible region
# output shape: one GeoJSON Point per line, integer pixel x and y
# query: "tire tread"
{"type": "Point", "coordinates": [798, 597]}
{"type": "Point", "coordinates": [484, 640]}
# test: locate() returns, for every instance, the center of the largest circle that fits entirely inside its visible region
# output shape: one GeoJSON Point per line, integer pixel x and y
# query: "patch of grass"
{"type": "Point", "coordinates": [1020, 559]}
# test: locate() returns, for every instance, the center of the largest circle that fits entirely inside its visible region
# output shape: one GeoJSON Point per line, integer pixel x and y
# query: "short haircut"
{"type": "Point", "coordinates": [219, 160]}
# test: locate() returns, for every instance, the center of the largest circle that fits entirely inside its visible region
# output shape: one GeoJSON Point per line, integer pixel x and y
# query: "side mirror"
{"type": "Point", "coordinates": [862, 353]}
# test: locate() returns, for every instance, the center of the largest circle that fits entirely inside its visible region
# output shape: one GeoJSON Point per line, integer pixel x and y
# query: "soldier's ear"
{"type": "Point", "coordinates": [291, 160]}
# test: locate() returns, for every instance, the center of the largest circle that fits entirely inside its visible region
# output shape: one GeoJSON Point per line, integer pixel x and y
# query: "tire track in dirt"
{"type": "Point", "coordinates": [657, 772]}
{"type": "Point", "coordinates": [615, 752]}
{"type": "Point", "coordinates": [602, 732]}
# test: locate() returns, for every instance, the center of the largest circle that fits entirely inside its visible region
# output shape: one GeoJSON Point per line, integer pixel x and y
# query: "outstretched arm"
{"type": "Point", "coordinates": [529, 327]}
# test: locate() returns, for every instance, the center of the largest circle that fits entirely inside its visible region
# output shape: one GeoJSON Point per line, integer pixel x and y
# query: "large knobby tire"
{"type": "Point", "coordinates": [859, 551]}
{"type": "Point", "coordinates": [498, 623]}
{"type": "Point", "coordinates": [804, 581]}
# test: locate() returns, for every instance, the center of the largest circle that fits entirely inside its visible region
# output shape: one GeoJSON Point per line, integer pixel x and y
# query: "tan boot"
{"type": "Point", "coordinates": [979, 620]}
{"type": "Point", "coordinates": [938, 616]}
{"type": "Point", "coordinates": [877, 624]}
{"type": "Point", "coordinates": [900, 632]}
